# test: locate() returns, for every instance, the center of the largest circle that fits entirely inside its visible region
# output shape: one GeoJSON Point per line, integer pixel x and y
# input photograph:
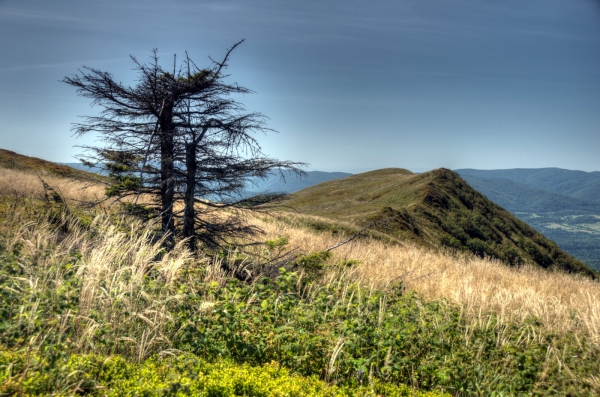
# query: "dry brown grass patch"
{"type": "Point", "coordinates": [21, 184]}
{"type": "Point", "coordinates": [564, 303]}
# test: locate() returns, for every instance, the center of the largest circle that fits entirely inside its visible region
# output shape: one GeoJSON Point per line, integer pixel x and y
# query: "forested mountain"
{"type": "Point", "coordinates": [578, 184]}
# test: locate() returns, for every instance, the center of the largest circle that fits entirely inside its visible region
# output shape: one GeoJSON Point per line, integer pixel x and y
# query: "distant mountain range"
{"type": "Point", "coordinates": [563, 205]}
{"type": "Point", "coordinates": [289, 182]}
{"type": "Point", "coordinates": [82, 167]}
{"type": "Point", "coordinates": [577, 184]}
{"type": "Point", "coordinates": [520, 197]}
{"type": "Point", "coordinates": [276, 182]}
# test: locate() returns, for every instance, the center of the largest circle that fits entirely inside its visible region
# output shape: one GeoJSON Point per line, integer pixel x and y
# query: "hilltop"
{"type": "Point", "coordinates": [434, 209]}
{"type": "Point", "coordinates": [15, 161]}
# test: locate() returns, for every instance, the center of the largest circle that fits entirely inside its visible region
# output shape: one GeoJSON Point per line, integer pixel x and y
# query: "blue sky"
{"type": "Point", "coordinates": [349, 85]}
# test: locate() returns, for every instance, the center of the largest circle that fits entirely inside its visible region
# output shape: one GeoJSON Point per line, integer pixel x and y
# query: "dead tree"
{"type": "Point", "coordinates": [181, 138]}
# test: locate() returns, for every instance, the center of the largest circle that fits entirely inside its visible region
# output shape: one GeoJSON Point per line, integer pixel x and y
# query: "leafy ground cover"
{"type": "Point", "coordinates": [107, 289]}
{"type": "Point", "coordinates": [184, 375]}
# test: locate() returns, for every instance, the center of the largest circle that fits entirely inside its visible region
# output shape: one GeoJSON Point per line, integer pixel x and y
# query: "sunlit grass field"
{"type": "Point", "coordinates": [91, 300]}
{"type": "Point", "coordinates": [564, 303]}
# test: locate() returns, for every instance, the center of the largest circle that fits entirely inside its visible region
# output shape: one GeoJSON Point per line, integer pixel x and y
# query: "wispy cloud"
{"type": "Point", "coordinates": [60, 64]}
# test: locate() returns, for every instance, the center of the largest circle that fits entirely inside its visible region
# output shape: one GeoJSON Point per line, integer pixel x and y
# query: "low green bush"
{"type": "Point", "coordinates": [184, 375]}
{"type": "Point", "coordinates": [349, 334]}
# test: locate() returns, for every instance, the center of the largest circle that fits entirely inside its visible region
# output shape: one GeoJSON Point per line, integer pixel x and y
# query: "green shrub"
{"type": "Point", "coordinates": [277, 243]}
{"type": "Point", "coordinates": [313, 263]}
{"type": "Point", "coordinates": [184, 375]}
{"type": "Point", "coordinates": [348, 334]}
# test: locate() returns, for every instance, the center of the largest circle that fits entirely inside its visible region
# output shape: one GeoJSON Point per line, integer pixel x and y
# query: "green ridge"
{"type": "Point", "coordinates": [434, 209]}
{"type": "Point", "coordinates": [12, 160]}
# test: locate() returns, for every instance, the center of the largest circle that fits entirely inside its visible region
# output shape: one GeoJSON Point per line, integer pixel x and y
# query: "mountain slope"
{"type": "Point", "coordinates": [434, 209]}
{"type": "Point", "coordinates": [12, 160]}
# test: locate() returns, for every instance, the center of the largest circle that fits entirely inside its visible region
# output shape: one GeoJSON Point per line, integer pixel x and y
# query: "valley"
{"type": "Point", "coordinates": [577, 234]}
{"type": "Point", "coordinates": [561, 204]}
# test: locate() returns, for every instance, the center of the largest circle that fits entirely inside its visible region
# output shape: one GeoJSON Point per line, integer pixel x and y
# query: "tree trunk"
{"type": "Point", "coordinates": [167, 171]}
{"type": "Point", "coordinates": [189, 215]}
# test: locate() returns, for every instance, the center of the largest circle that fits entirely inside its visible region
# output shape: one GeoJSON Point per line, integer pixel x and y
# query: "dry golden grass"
{"type": "Point", "coordinates": [23, 184]}
{"type": "Point", "coordinates": [111, 266]}
{"type": "Point", "coordinates": [564, 303]}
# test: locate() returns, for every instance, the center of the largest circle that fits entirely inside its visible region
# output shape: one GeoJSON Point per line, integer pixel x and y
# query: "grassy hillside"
{"type": "Point", "coordinates": [15, 161]}
{"type": "Point", "coordinates": [94, 305]}
{"type": "Point", "coordinates": [434, 209]}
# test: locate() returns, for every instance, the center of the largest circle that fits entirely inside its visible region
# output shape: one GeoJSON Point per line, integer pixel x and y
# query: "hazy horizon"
{"type": "Point", "coordinates": [415, 170]}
